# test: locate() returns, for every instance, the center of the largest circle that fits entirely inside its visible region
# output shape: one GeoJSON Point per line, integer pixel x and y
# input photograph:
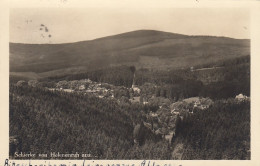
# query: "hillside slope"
{"type": "Point", "coordinates": [143, 48]}
{"type": "Point", "coordinates": [52, 121]}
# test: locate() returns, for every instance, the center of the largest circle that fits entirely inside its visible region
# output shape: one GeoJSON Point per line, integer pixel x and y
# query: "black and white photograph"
{"type": "Point", "coordinates": [129, 83]}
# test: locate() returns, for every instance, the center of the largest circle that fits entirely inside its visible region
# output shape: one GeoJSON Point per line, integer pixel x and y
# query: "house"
{"type": "Point", "coordinates": [145, 102]}
{"type": "Point", "coordinates": [197, 103]}
{"type": "Point", "coordinates": [136, 89]}
{"type": "Point", "coordinates": [21, 83]}
{"type": "Point", "coordinates": [153, 114]}
{"type": "Point", "coordinates": [158, 132]}
{"type": "Point", "coordinates": [241, 97]}
{"type": "Point", "coordinates": [68, 90]}
{"type": "Point", "coordinates": [176, 113]}
{"type": "Point", "coordinates": [52, 89]}
{"type": "Point", "coordinates": [88, 81]}
{"type": "Point", "coordinates": [169, 136]}
{"type": "Point", "coordinates": [82, 87]}
{"type": "Point", "coordinates": [191, 68]}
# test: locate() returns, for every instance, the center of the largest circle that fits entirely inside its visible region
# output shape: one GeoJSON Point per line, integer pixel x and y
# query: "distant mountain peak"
{"type": "Point", "coordinates": [147, 33]}
{"type": "Point", "coordinates": [149, 48]}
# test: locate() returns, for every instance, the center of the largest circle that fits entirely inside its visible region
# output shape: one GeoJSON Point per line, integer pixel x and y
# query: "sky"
{"type": "Point", "coordinates": [66, 25]}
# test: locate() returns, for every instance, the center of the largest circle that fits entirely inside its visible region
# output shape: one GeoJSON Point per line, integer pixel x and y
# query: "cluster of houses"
{"type": "Point", "coordinates": [190, 104]}
{"type": "Point", "coordinates": [167, 110]}
{"type": "Point", "coordinates": [86, 86]}
{"type": "Point", "coordinates": [164, 119]}
{"type": "Point", "coordinates": [163, 123]}
{"type": "Point", "coordinates": [100, 90]}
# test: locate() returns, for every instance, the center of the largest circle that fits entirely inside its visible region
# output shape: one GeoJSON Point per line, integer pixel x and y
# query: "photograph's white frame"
{"type": "Point", "coordinates": [253, 6]}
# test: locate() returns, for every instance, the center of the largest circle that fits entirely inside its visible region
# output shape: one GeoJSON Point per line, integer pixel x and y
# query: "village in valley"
{"type": "Point", "coordinates": [161, 120]}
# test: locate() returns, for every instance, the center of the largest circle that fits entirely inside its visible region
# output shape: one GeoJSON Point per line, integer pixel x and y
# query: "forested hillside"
{"type": "Point", "coordinates": [44, 121]}
{"type": "Point", "coordinates": [228, 80]}
{"type": "Point", "coordinates": [221, 132]}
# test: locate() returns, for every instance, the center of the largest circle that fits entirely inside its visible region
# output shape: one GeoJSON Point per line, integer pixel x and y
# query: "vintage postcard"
{"type": "Point", "coordinates": [126, 83]}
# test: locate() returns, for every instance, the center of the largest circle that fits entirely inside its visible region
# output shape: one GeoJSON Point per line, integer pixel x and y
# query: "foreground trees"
{"type": "Point", "coordinates": [43, 121]}
{"type": "Point", "coordinates": [220, 132]}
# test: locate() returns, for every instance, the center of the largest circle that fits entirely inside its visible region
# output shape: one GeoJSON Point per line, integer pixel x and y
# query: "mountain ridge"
{"type": "Point", "coordinates": [141, 48]}
{"type": "Point", "coordinates": [125, 33]}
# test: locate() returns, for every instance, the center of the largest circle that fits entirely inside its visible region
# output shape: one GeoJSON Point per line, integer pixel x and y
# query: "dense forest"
{"type": "Point", "coordinates": [45, 121]}
{"type": "Point", "coordinates": [119, 75]}
{"type": "Point", "coordinates": [221, 132]}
